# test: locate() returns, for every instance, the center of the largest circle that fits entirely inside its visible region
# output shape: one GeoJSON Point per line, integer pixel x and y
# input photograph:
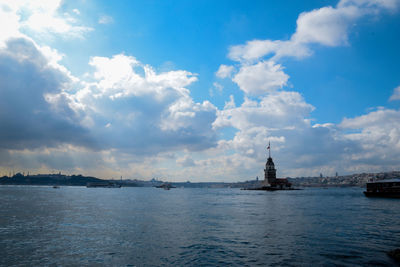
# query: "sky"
{"type": "Point", "coordinates": [195, 90]}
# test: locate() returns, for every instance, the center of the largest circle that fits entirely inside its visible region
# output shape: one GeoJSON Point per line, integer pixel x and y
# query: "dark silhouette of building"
{"type": "Point", "coordinates": [270, 174]}
{"type": "Point", "coordinates": [270, 171]}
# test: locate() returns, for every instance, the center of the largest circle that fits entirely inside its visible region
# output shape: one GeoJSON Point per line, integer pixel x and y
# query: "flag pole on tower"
{"type": "Point", "coordinates": [269, 148]}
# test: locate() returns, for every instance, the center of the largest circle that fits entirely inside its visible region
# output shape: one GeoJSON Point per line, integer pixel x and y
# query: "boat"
{"type": "Point", "coordinates": [103, 185]}
{"type": "Point", "coordinates": [383, 188]}
{"type": "Point", "coordinates": [56, 187]}
{"type": "Point", "coordinates": [166, 186]}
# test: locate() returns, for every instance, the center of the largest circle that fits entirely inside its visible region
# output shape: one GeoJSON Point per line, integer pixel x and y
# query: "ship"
{"type": "Point", "coordinates": [383, 188]}
{"type": "Point", "coordinates": [166, 186]}
{"type": "Point", "coordinates": [103, 185]}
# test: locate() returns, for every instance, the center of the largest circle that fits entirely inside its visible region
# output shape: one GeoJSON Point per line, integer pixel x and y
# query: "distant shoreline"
{"type": "Point", "coordinates": [354, 180]}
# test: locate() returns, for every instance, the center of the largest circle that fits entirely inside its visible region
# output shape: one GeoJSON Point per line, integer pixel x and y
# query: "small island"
{"type": "Point", "coordinates": [271, 183]}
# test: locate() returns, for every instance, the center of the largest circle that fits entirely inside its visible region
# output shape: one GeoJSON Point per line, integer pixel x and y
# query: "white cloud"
{"type": "Point", "coordinates": [128, 117]}
{"type": "Point", "coordinates": [184, 113]}
{"type": "Point", "coordinates": [388, 116]}
{"type": "Point", "coordinates": [396, 94]}
{"type": "Point", "coordinates": [124, 113]}
{"type": "Point", "coordinates": [40, 17]}
{"type": "Point", "coordinates": [253, 50]}
{"type": "Point", "coordinates": [284, 117]}
{"type": "Point", "coordinates": [11, 20]}
{"type": "Point", "coordinates": [261, 78]}
{"type": "Point", "coordinates": [186, 161]}
{"type": "Point", "coordinates": [105, 19]}
{"type": "Point", "coordinates": [225, 71]}
{"type": "Point", "coordinates": [48, 23]}
{"type": "Point", "coordinates": [327, 26]}
{"type": "Point", "coordinates": [32, 116]}
{"type": "Point", "coordinates": [370, 142]}
{"type": "Point", "coordinates": [132, 98]}
{"type": "Point", "coordinates": [278, 110]}
{"type": "Point", "coordinates": [379, 135]}
{"type": "Point", "coordinates": [298, 147]}
{"type": "Point", "coordinates": [117, 78]}
{"type": "Point", "coordinates": [372, 4]}
{"type": "Point", "coordinates": [133, 113]}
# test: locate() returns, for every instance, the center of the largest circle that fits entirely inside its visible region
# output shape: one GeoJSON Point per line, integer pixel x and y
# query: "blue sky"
{"type": "Point", "coordinates": [186, 90]}
{"type": "Point", "coordinates": [197, 36]}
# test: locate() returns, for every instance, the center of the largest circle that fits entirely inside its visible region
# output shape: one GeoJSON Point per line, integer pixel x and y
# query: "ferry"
{"type": "Point", "coordinates": [166, 186]}
{"type": "Point", "coordinates": [383, 188]}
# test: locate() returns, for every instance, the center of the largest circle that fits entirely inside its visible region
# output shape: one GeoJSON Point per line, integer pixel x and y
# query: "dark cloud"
{"type": "Point", "coordinates": [132, 125]}
{"type": "Point", "coordinates": [27, 120]}
{"type": "Point", "coordinates": [315, 147]}
{"type": "Point", "coordinates": [36, 114]}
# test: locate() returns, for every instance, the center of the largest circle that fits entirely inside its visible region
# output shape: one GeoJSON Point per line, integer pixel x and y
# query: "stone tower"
{"type": "Point", "coordinates": [270, 171]}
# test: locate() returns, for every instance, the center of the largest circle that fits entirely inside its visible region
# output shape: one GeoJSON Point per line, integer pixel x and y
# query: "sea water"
{"type": "Point", "coordinates": [195, 227]}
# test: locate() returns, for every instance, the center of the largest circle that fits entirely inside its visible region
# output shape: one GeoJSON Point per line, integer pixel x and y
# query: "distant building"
{"type": "Point", "coordinates": [270, 174]}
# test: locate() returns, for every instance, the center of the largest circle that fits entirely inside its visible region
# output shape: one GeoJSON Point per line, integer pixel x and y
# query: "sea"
{"type": "Point", "coordinates": [79, 226]}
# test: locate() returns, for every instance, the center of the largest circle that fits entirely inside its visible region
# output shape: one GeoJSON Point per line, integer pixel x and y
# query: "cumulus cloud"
{"type": "Point", "coordinates": [224, 71]}
{"type": "Point", "coordinates": [278, 110]}
{"type": "Point", "coordinates": [379, 135]}
{"type": "Point", "coordinates": [124, 107]}
{"type": "Point", "coordinates": [327, 26]}
{"type": "Point", "coordinates": [254, 49]}
{"type": "Point", "coordinates": [369, 142]}
{"type": "Point", "coordinates": [132, 99]}
{"type": "Point", "coordinates": [186, 161]}
{"type": "Point", "coordinates": [301, 150]}
{"type": "Point", "coordinates": [118, 121]}
{"type": "Point", "coordinates": [28, 120]}
{"type": "Point", "coordinates": [125, 117]}
{"type": "Point", "coordinates": [40, 17]}
{"type": "Point", "coordinates": [284, 116]}
{"type": "Point", "coordinates": [116, 77]}
{"type": "Point", "coordinates": [396, 94]}
{"type": "Point", "coordinates": [371, 4]}
{"type": "Point", "coordinates": [261, 78]}
{"type": "Point", "coordinates": [10, 19]}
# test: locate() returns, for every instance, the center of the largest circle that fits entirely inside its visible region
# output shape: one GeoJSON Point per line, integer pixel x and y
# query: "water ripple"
{"type": "Point", "coordinates": [195, 227]}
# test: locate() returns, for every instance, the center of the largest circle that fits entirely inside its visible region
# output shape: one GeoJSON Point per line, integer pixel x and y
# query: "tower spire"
{"type": "Point", "coordinates": [269, 148]}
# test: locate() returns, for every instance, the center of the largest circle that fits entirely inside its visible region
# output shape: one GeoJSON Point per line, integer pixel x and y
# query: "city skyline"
{"type": "Point", "coordinates": [196, 90]}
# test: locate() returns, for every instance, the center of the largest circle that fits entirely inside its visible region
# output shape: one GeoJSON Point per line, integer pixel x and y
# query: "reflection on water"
{"type": "Point", "coordinates": [148, 226]}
